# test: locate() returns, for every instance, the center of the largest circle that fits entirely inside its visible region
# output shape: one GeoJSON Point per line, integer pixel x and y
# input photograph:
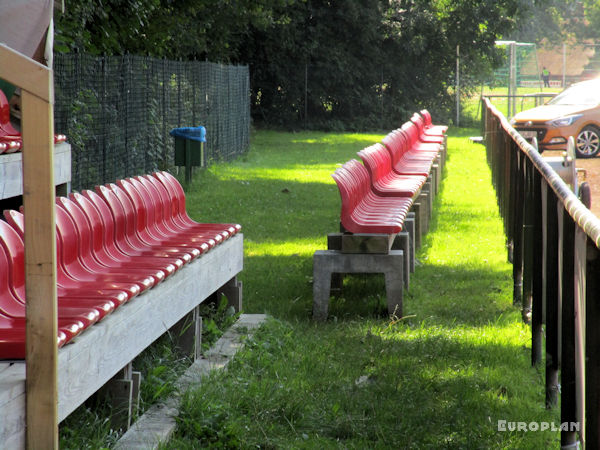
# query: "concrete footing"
{"type": "Point", "coordinates": [328, 262]}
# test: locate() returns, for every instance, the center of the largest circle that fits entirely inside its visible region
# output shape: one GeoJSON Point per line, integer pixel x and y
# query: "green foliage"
{"type": "Point", "coordinates": [351, 64]}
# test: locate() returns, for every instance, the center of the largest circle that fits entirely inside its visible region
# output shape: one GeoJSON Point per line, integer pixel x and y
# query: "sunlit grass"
{"type": "Point", "coordinates": [441, 377]}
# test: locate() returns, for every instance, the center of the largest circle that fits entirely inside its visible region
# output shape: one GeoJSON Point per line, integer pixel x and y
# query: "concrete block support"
{"type": "Point", "coordinates": [328, 262]}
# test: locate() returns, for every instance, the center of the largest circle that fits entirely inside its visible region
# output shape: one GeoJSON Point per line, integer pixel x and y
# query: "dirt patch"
{"type": "Point", "coordinates": [591, 173]}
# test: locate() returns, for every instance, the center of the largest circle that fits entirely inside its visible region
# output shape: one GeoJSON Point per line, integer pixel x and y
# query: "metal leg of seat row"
{"type": "Point", "coordinates": [328, 262]}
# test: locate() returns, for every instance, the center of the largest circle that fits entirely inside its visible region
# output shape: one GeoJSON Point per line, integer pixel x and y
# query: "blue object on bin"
{"type": "Point", "coordinates": [192, 133]}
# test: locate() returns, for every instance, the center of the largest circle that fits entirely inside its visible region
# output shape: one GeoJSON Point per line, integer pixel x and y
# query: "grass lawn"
{"type": "Point", "coordinates": [442, 377]}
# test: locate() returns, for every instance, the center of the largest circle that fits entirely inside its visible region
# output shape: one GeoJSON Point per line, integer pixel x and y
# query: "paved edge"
{"type": "Point", "coordinates": [158, 423]}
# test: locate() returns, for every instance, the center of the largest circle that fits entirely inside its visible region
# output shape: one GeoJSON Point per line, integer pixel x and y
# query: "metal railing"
{"type": "Point", "coordinates": [553, 242]}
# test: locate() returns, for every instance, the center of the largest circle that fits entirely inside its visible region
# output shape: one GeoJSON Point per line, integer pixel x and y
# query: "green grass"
{"type": "Point", "coordinates": [441, 377]}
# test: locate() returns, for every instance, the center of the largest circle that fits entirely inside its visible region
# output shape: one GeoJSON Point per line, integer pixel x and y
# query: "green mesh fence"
{"type": "Point", "coordinates": [117, 112]}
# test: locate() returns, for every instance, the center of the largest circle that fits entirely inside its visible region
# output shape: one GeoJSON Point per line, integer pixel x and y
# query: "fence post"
{"type": "Point", "coordinates": [536, 269]}
{"type": "Point", "coordinates": [517, 227]}
{"type": "Point", "coordinates": [551, 291]}
{"type": "Point", "coordinates": [566, 260]}
{"type": "Point", "coordinates": [592, 345]}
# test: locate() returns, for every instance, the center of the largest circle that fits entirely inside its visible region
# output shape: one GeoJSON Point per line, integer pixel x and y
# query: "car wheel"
{"type": "Point", "coordinates": [587, 144]}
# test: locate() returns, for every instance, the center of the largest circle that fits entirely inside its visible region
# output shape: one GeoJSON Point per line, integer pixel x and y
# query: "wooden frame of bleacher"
{"type": "Point", "coordinates": [57, 381]}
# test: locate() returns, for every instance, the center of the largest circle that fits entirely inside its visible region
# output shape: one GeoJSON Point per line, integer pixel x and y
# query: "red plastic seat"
{"type": "Point", "coordinates": [426, 135]}
{"type": "Point", "coordinates": [415, 144]}
{"type": "Point", "coordinates": [362, 210]}
{"type": "Point", "coordinates": [429, 126]}
{"type": "Point", "coordinates": [69, 248]}
{"type": "Point", "coordinates": [177, 193]}
{"type": "Point", "coordinates": [163, 206]}
{"type": "Point", "coordinates": [169, 205]}
{"type": "Point", "coordinates": [404, 162]}
{"type": "Point", "coordinates": [103, 302]}
{"type": "Point", "coordinates": [11, 139]}
{"type": "Point", "coordinates": [104, 248]}
{"type": "Point", "coordinates": [15, 219]}
{"type": "Point", "coordinates": [115, 241]}
{"type": "Point", "coordinates": [145, 220]}
{"type": "Point", "coordinates": [384, 181]}
{"type": "Point", "coordinates": [125, 226]}
{"type": "Point", "coordinates": [89, 256]}
{"type": "Point", "coordinates": [12, 311]}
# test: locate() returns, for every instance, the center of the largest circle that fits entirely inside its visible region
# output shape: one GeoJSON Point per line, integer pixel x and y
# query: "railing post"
{"type": "Point", "coordinates": [551, 293]}
{"type": "Point", "coordinates": [517, 227]}
{"type": "Point", "coordinates": [566, 272]}
{"type": "Point", "coordinates": [592, 346]}
{"type": "Point", "coordinates": [536, 269]}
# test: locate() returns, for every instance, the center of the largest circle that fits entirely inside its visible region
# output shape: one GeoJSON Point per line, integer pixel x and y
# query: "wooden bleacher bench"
{"type": "Point", "coordinates": [131, 264]}
{"type": "Point", "coordinates": [399, 175]}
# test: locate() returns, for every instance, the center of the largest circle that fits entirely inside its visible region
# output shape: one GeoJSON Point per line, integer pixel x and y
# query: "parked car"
{"type": "Point", "coordinates": [574, 112]}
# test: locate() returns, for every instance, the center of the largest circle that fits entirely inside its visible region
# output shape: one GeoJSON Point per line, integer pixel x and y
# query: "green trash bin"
{"type": "Point", "coordinates": [189, 148]}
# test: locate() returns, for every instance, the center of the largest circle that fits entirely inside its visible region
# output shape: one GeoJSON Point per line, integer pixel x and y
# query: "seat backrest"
{"type": "Point", "coordinates": [81, 223]}
{"type": "Point", "coordinates": [129, 209]}
{"type": "Point", "coordinates": [419, 122]}
{"type": "Point", "coordinates": [377, 161]}
{"type": "Point", "coordinates": [15, 220]}
{"type": "Point", "coordinates": [67, 244]}
{"type": "Point", "coordinates": [175, 190]}
{"type": "Point", "coordinates": [154, 214]}
{"type": "Point", "coordinates": [108, 201]}
{"type": "Point", "coordinates": [353, 183]}
{"type": "Point", "coordinates": [426, 117]}
{"type": "Point", "coordinates": [6, 127]}
{"type": "Point", "coordinates": [163, 195]}
{"type": "Point", "coordinates": [134, 196]}
{"type": "Point", "coordinates": [13, 246]}
{"type": "Point", "coordinates": [411, 133]}
{"type": "Point", "coordinates": [102, 228]}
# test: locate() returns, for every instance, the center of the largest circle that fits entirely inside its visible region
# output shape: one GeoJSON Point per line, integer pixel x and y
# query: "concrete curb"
{"type": "Point", "coordinates": [158, 423]}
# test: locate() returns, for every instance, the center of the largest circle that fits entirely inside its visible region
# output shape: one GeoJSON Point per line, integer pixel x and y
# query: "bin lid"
{"type": "Point", "coordinates": [192, 133]}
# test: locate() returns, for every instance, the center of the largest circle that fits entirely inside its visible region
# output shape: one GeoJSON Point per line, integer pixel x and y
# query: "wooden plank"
{"type": "Point", "coordinates": [26, 73]}
{"type": "Point", "coordinates": [108, 346]}
{"type": "Point", "coordinates": [11, 170]}
{"type": "Point", "coordinates": [367, 243]}
{"type": "Point", "coordinates": [105, 348]}
{"type": "Point", "coordinates": [40, 271]}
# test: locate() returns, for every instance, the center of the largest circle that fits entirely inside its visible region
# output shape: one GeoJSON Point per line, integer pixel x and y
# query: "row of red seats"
{"type": "Point", "coordinates": [112, 245]}
{"type": "Point", "coordinates": [10, 139]}
{"type": "Point", "coordinates": [377, 196]}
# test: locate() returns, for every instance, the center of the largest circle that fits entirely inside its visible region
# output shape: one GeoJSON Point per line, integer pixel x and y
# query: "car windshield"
{"type": "Point", "coordinates": [583, 94]}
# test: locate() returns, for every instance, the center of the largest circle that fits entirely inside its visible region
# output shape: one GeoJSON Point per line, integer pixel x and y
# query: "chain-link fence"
{"type": "Point", "coordinates": [565, 65]}
{"type": "Point", "coordinates": [117, 112]}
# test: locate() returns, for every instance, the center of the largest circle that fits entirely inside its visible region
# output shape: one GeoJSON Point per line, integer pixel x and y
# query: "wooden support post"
{"type": "Point", "coordinates": [187, 333]}
{"type": "Point", "coordinates": [233, 291]}
{"type": "Point", "coordinates": [123, 391]}
{"type": "Point", "coordinates": [37, 86]}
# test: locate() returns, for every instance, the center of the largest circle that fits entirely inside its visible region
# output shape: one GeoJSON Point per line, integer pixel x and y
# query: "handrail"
{"type": "Point", "coordinates": [576, 209]}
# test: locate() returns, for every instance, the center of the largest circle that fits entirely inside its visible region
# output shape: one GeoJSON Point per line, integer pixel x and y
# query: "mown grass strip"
{"type": "Point", "coordinates": [442, 377]}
